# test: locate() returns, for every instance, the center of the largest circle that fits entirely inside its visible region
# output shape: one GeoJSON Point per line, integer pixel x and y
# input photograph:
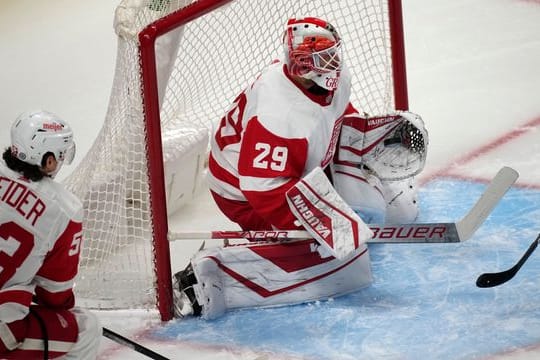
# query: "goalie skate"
{"type": "Point", "coordinates": [185, 303]}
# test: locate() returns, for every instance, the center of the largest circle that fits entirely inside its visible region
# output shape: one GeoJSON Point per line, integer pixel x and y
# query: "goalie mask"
{"type": "Point", "coordinates": [313, 51]}
{"type": "Point", "coordinates": [36, 133]}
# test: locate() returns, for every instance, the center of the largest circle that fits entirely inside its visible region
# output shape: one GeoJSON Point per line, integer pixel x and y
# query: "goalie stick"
{"type": "Point", "coordinates": [455, 232]}
{"type": "Point", "coordinates": [132, 344]}
{"type": "Point", "coordinates": [495, 279]}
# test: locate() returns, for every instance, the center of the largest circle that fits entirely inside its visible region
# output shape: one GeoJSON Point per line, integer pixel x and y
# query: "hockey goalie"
{"type": "Point", "coordinates": [293, 153]}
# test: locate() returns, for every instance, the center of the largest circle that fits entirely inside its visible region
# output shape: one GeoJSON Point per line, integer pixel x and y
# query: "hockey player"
{"type": "Point", "coordinates": [41, 235]}
{"type": "Point", "coordinates": [277, 134]}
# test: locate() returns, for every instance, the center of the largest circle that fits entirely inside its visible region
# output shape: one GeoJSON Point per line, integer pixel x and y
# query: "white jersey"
{"type": "Point", "coordinates": [275, 133]}
{"type": "Point", "coordinates": [40, 239]}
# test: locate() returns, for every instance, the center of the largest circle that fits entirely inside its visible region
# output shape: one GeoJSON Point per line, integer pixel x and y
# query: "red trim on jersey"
{"type": "Point", "coordinates": [272, 205]}
{"type": "Point", "coordinates": [61, 263]}
{"type": "Point", "coordinates": [60, 300]}
{"type": "Point", "coordinates": [221, 173]}
{"type": "Point", "coordinates": [15, 296]}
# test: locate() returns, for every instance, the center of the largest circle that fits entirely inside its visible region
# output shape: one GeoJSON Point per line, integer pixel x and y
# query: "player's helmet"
{"type": "Point", "coordinates": [36, 133]}
{"type": "Point", "coordinates": [313, 51]}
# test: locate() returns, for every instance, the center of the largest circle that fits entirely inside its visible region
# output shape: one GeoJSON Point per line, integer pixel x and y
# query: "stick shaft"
{"type": "Point", "coordinates": [403, 233]}
{"type": "Point", "coordinates": [132, 344]}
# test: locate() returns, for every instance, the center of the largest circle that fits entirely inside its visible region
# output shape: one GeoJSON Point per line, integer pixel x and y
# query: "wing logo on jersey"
{"type": "Point", "coordinates": [333, 141]}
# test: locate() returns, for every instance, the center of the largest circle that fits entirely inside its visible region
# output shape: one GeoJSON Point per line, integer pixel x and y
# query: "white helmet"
{"type": "Point", "coordinates": [36, 133]}
{"type": "Point", "coordinates": [313, 51]}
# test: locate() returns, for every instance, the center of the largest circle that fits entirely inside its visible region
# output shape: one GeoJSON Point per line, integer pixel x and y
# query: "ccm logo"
{"type": "Point", "coordinates": [402, 232]}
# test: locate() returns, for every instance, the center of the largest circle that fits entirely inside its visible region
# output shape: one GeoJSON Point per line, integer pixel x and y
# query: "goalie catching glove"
{"type": "Point", "coordinates": [411, 134]}
{"type": "Point", "coordinates": [393, 146]}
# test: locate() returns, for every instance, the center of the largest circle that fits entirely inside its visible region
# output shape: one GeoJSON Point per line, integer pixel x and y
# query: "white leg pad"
{"type": "Point", "coordinates": [362, 190]}
{"type": "Point", "coordinates": [276, 274]}
{"type": "Point", "coordinates": [209, 288]}
{"type": "Point", "coordinates": [402, 201]}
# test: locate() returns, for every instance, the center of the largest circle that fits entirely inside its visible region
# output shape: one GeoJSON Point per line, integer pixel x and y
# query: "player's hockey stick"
{"type": "Point", "coordinates": [132, 344]}
{"type": "Point", "coordinates": [403, 233]}
{"type": "Point", "coordinates": [495, 279]}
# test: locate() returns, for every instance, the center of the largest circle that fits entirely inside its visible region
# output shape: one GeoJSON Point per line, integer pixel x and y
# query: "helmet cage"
{"type": "Point", "coordinates": [313, 50]}
{"type": "Point", "coordinates": [328, 59]}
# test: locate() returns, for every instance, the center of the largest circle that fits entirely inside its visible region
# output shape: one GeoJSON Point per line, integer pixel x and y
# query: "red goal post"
{"type": "Point", "coordinates": [179, 65]}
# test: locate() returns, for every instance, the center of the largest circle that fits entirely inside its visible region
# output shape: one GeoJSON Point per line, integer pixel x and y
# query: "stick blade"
{"type": "Point", "coordinates": [500, 184]}
{"type": "Point", "coordinates": [488, 280]}
{"type": "Point", "coordinates": [495, 279]}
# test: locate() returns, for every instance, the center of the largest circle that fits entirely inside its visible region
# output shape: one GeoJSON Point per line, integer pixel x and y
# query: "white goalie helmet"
{"type": "Point", "coordinates": [36, 133]}
{"type": "Point", "coordinates": [313, 51]}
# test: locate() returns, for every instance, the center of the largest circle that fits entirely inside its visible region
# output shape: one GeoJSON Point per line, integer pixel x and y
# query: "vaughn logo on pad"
{"type": "Point", "coordinates": [316, 220]}
{"type": "Point", "coordinates": [325, 215]}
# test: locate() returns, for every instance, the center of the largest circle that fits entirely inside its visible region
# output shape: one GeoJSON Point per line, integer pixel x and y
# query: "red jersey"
{"type": "Point", "coordinates": [40, 240]}
{"type": "Point", "coordinates": [275, 133]}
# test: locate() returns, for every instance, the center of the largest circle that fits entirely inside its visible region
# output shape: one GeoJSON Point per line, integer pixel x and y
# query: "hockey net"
{"type": "Point", "coordinates": [180, 63]}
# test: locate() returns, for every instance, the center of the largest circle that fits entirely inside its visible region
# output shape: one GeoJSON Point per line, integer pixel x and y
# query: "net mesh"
{"type": "Point", "coordinates": [201, 68]}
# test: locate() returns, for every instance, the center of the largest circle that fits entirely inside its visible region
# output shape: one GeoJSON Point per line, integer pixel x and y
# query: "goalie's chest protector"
{"type": "Point", "coordinates": [290, 112]}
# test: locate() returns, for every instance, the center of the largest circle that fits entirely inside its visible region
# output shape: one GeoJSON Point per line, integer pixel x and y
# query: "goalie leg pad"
{"type": "Point", "coordinates": [274, 274]}
{"type": "Point", "coordinates": [402, 201]}
{"type": "Point", "coordinates": [362, 190]}
{"type": "Point", "coordinates": [209, 288]}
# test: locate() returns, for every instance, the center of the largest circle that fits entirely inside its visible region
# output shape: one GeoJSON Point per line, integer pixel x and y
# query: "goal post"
{"type": "Point", "coordinates": [180, 63]}
{"type": "Point", "coordinates": [397, 48]}
{"type": "Point", "coordinates": [151, 109]}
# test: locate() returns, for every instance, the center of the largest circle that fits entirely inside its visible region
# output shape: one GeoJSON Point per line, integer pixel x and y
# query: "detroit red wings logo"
{"type": "Point", "coordinates": [333, 141]}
